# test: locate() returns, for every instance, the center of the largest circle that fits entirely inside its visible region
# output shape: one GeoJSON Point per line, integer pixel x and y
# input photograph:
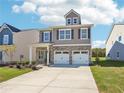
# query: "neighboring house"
{"type": "Point", "coordinates": [69, 44]}
{"type": "Point", "coordinates": [6, 41]}
{"type": "Point", "coordinates": [115, 43]}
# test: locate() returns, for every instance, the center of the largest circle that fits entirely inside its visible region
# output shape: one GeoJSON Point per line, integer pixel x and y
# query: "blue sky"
{"type": "Point", "coordinates": [26, 14]}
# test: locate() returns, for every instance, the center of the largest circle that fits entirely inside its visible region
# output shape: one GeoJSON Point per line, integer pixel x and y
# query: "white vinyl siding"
{"type": "Point", "coordinates": [64, 34]}
{"type": "Point", "coordinates": [5, 39]}
{"type": "Point", "coordinates": [84, 33]}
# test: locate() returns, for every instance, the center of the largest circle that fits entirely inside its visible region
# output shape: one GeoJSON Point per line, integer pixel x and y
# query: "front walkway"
{"type": "Point", "coordinates": [52, 80]}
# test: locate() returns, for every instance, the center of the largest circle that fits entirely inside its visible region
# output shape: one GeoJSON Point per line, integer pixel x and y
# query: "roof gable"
{"type": "Point", "coordinates": [12, 28]}
{"type": "Point", "coordinates": [112, 30]}
{"type": "Point", "coordinates": [72, 11]}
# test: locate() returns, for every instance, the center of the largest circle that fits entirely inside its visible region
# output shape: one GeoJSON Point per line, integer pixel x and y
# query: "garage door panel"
{"type": "Point", "coordinates": [61, 57]}
{"type": "Point", "coordinates": [80, 57]}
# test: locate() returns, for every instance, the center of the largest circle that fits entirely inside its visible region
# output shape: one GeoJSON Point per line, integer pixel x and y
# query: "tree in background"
{"type": "Point", "coordinates": [98, 52]}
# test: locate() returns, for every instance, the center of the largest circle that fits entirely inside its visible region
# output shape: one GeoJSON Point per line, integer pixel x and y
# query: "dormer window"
{"type": "Point", "coordinates": [68, 20]}
{"type": "Point", "coordinates": [75, 20]}
{"type": "Point", "coordinates": [72, 18]}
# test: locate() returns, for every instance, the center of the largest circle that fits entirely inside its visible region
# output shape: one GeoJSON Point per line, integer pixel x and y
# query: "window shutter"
{"type": "Point", "coordinates": [42, 36]}
{"type": "Point", "coordinates": [88, 33]}
{"type": "Point", "coordinates": [57, 35]}
{"type": "Point", "coordinates": [72, 34]}
{"type": "Point", "coordinates": [78, 33]}
{"type": "Point", "coordinates": [50, 36]}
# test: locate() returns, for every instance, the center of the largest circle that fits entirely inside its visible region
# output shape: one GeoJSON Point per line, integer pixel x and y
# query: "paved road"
{"type": "Point", "coordinates": [52, 80]}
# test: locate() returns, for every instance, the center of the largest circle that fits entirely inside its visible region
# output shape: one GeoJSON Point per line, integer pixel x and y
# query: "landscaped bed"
{"type": "Point", "coordinates": [8, 73]}
{"type": "Point", "coordinates": [109, 76]}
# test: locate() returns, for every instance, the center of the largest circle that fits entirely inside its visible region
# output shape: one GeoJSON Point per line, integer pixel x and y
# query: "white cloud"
{"type": "Point", "coordinates": [27, 7]}
{"type": "Point", "coordinates": [99, 44]}
{"type": "Point", "coordinates": [16, 8]}
{"type": "Point", "coordinates": [92, 11]}
{"type": "Point", "coordinates": [120, 17]}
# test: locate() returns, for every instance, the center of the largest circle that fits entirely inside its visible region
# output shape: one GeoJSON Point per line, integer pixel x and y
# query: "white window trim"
{"type": "Point", "coordinates": [77, 20]}
{"type": "Point", "coordinates": [4, 39]}
{"type": "Point", "coordinates": [70, 21]}
{"type": "Point", "coordinates": [81, 33]}
{"type": "Point", "coordinates": [64, 34]}
{"type": "Point", "coordinates": [44, 36]}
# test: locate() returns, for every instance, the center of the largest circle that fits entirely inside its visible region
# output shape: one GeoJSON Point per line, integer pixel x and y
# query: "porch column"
{"type": "Point", "coordinates": [30, 54]}
{"type": "Point", "coordinates": [47, 55]}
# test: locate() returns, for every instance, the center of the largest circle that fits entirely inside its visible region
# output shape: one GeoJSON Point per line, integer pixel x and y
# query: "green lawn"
{"type": "Point", "coordinates": [8, 73]}
{"type": "Point", "coordinates": [109, 76]}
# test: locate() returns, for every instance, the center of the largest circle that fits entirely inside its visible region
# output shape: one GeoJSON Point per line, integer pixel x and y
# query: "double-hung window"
{"type": "Point", "coordinates": [75, 20]}
{"type": "Point", "coordinates": [5, 39]}
{"type": "Point", "coordinates": [65, 34]}
{"type": "Point", "coordinates": [46, 36]}
{"type": "Point", "coordinates": [68, 21]}
{"type": "Point", "coordinates": [84, 33]}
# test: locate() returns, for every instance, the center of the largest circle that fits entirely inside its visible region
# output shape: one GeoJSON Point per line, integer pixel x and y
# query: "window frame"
{"type": "Point", "coordinates": [74, 19]}
{"type": "Point", "coordinates": [65, 34]}
{"type": "Point", "coordinates": [44, 36]}
{"type": "Point", "coordinates": [70, 21]}
{"type": "Point", "coordinates": [7, 39]}
{"type": "Point", "coordinates": [82, 33]}
{"type": "Point", "coordinates": [120, 38]}
{"type": "Point", "coordinates": [118, 54]}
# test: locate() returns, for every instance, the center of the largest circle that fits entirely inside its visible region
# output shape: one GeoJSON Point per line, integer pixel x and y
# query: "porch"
{"type": "Point", "coordinates": [42, 53]}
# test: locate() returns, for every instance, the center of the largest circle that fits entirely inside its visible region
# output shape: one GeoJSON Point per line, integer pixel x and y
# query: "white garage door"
{"type": "Point", "coordinates": [80, 57]}
{"type": "Point", "coordinates": [61, 57]}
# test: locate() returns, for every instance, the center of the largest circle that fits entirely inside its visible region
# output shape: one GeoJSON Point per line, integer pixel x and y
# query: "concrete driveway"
{"type": "Point", "coordinates": [52, 80]}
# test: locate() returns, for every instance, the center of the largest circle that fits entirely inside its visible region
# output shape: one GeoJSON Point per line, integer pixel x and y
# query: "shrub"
{"type": "Point", "coordinates": [34, 67]}
{"type": "Point", "coordinates": [18, 66]}
{"type": "Point", "coordinates": [11, 66]}
{"type": "Point", "coordinates": [97, 60]}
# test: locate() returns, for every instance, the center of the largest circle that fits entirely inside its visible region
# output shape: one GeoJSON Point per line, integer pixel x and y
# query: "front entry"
{"type": "Point", "coordinates": [42, 56]}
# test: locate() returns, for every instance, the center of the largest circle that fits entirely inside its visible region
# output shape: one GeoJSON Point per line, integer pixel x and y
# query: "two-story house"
{"type": "Point", "coordinates": [6, 41]}
{"type": "Point", "coordinates": [69, 44]}
{"type": "Point", "coordinates": [115, 43]}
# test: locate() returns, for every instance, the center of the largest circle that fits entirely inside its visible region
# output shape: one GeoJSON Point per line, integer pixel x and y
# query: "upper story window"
{"type": "Point", "coordinates": [68, 21]}
{"type": "Point", "coordinates": [46, 36]}
{"type": "Point", "coordinates": [65, 34]}
{"type": "Point", "coordinates": [75, 20]}
{"type": "Point", "coordinates": [120, 38]}
{"type": "Point", "coordinates": [5, 39]}
{"type": "Point", "coordinates": [84, 33]}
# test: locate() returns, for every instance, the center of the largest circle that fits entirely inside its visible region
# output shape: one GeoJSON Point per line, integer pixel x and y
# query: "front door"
{"type": "Point", "coordinates": [42, 56]}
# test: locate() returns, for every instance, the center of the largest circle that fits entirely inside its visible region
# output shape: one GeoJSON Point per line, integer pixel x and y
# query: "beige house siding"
{"type": "Point", "coordinates": [22, 41]}
{"type": "Point", "coordinates": [75, 39]}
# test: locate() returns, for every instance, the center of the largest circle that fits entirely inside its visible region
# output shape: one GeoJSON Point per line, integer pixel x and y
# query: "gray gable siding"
{"type": "Point", "coordinates": [6, 31]}
{"type": "Point", "coordinates": [71, 16]}
{"type": "Point", "coordinates": [117, 47]}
